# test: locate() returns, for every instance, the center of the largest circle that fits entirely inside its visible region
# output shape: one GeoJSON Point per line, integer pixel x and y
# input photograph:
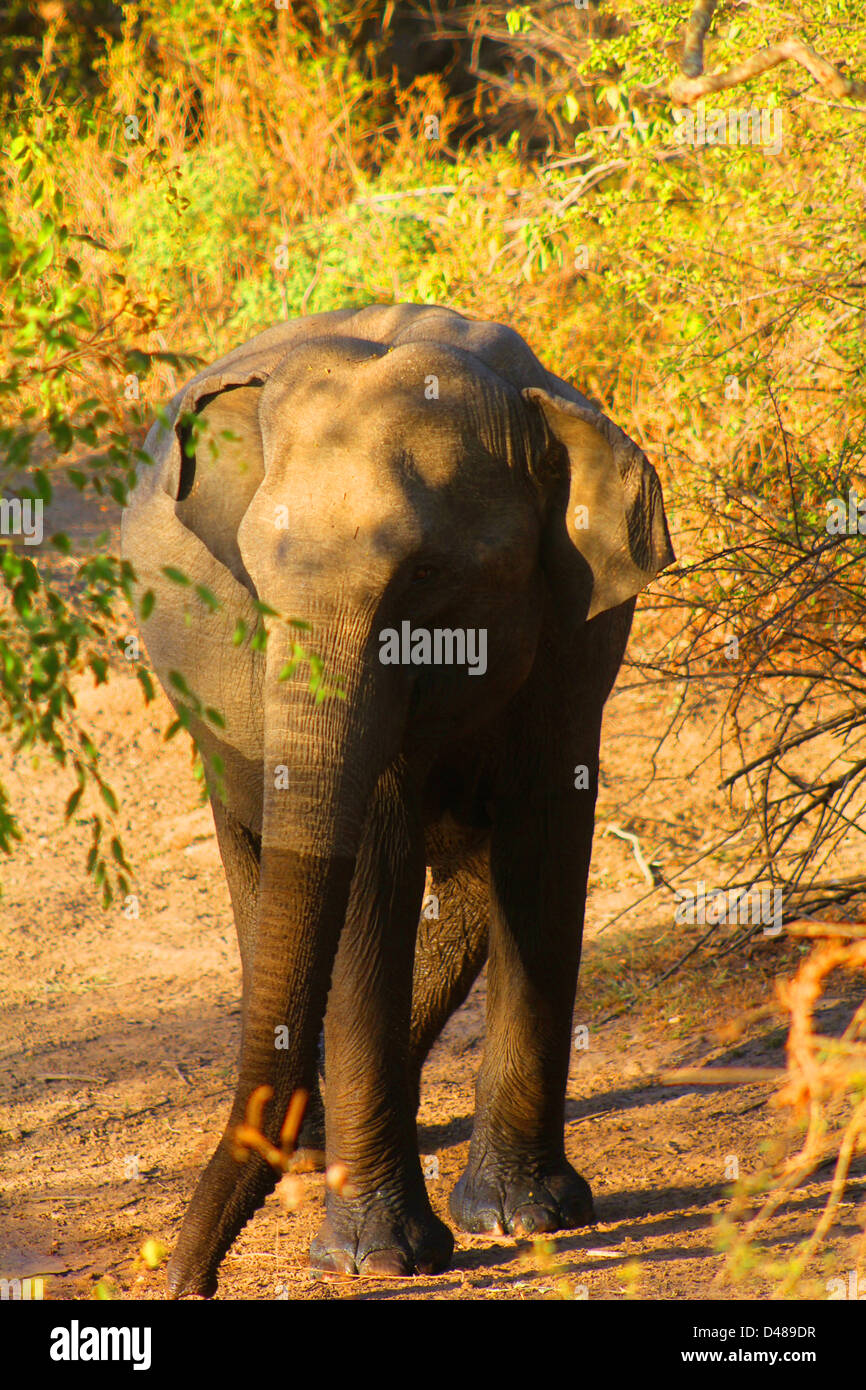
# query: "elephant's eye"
{"type": "Point", "coordinates": [422, 574]}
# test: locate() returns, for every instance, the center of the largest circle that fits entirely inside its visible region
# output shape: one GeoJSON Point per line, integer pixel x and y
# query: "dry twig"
{"type": "Point", "coordinates": [822, 1072]}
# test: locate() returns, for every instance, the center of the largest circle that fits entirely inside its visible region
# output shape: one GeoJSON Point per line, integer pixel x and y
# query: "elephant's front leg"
{"type": "Point", "coordinates": [517, 1179]}
{"type": "Point", "coordinates": [382, 1222]}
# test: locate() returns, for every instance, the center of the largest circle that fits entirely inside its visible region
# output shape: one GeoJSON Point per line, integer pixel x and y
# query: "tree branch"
{"type": "Point", "coordinates": [686, 90]}
{"type": "Point", "coordinates": [693, 43]}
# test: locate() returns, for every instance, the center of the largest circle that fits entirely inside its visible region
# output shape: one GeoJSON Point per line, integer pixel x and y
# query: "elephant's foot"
{"type": "Point", "coordinates": [227, 1195]}
{"type": "Point", "coordinates": [371, 1236]}
{"type": "Point", "coordinates": [186, 1281]}
{"type": "Point", "coordinates": [512, 1199]}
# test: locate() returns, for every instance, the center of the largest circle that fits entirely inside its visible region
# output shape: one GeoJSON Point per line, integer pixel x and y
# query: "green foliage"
{"type": "Point", "coordinates": [55, 333]}
{"type": "Point", "coordinates": [214, 212]}
{"type": "Point", "coordinates": [333, 261]}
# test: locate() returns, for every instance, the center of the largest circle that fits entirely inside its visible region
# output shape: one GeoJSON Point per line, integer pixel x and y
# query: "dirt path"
{"type": "Point", "coordinates": [120, 1035]}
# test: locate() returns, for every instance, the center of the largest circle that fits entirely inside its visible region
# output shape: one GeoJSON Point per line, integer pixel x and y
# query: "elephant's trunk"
{"type": "Point", "coordinates": [321, 765]}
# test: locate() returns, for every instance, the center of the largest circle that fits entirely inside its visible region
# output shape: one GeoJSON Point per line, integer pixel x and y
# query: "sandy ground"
{"type": "Point", "coordinates": [120, 1034]}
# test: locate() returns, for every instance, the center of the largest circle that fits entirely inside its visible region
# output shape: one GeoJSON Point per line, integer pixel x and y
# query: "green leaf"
{"type": "Point", "coordinates": [117, 853]}
{"type": "Point", "coordinates": [146, 683]}
{"type": "Point", "coordinates": [137, 362]}
{"type": "Point", "coordinates": [44, 259]}
{"type": "Point", "coordinates": [570, 108]}
{"type": "Point", "coordinates": [61, 435]}
{"type": "Point", "coordinates": [208, 597]}
{"type": "Point", "coordinates": [176, 576]}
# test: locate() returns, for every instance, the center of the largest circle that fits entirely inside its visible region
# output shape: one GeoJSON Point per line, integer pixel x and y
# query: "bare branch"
{"type": "Point", "coordinates": [693, 43]}
{"type": "Point", "coordinates": [686, 90]}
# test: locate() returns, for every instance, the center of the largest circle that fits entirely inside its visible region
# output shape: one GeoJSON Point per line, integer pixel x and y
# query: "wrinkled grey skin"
{"type": "Point", "coordinates": [432, 470]}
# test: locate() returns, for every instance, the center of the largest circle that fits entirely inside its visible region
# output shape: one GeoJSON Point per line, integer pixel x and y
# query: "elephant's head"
{"type": "Point", "coordinates": [415, 490]}
{"type": "Point", "coordinates": [405, 490]}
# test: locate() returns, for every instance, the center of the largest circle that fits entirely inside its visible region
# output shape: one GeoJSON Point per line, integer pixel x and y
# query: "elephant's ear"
{"type": "Point", "coordinates": [220, 478]}
{"type": "Point", "coordinates": [611, 537]}
{"type": "Point", "coordinates": [209, 475]}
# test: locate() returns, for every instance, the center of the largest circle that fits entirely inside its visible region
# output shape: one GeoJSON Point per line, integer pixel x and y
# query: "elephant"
{"type": "Point", "coordinates": [464, 535]}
